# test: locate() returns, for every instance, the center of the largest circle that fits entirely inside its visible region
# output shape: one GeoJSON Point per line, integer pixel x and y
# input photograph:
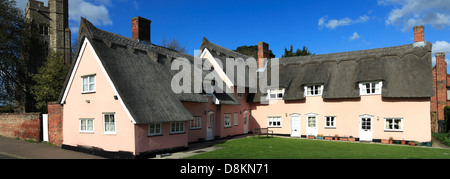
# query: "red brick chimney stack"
{"type": "Point", "coordinates": [263, 54]}
{"type": "Point", "coordinates": [141, 29]}
{"type": "Point", "coordinates": [441, 85]}
{"type": "Point", "coordinates": [419, 33]}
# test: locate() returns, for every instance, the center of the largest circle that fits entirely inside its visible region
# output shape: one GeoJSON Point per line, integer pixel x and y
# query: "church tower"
{"type": "Point", "coordinates": [59, 32]}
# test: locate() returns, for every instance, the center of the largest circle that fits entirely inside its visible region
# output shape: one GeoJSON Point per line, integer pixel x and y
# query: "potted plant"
{"type": "Point", "coordinates": [384, 141]}
{"type": "Point", "coordinates": [336, 137]}
{"type": "Point", "coordinates": [344, 138]}
{"type": "Point", "coordinates": [391, 140]}
{"type": "Point", "coordinates": [351, 139]}
{"type": "Point", "coordinates": [412, 143]}
{"type": "Point", "coordinates": [328, 138]}
{"type": "Point", "coordinates": [320, 136]}
{"type": "Point", "coordinates": [403, 142]}
{"type": "Point", "coordinates": [311, 137]}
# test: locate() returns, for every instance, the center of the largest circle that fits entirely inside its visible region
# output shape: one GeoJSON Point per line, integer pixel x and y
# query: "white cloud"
{"type": "Point", "coordinates": [354, 36]}
{"type": "Point", "coordinates": [334, 23]}
{"type": "Point", "coordinates": [409, 13]}
{"type": "Point", "coordinates": [440, 46]}
{"type": "Point", "coordinates": [97, 14]}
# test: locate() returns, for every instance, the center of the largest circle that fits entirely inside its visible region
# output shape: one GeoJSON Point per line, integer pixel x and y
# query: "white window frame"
{"type": "Point", "coordinates": [373, 90]}
{"type": "Point", "coordinates": [276, 92]}
{"type": "Point", "coordinates": [176, 127]}
{"type": "Point", "coordinates": [391, 125]}
{"type": "Point", "coordinates": [153, 129]}
{"type": "Point", "coordinates": [333, 126]}
{"type": "Point", "coordinates": [105, 123]}
{"type": "Point", "coordinates": [89, 83]}
{"type": "Point", "coordinates": [310, 90]}
{"type": "Point", "coordinates": [86, 130]}
{"type": "Point", "coordinates": [315, 121]}
{"type": "Point", "coordinates": [227, 120]}
{"type": "Point", "coordinates": [196, 123]}
{"type": "Point", "coordinates": [274, 121]}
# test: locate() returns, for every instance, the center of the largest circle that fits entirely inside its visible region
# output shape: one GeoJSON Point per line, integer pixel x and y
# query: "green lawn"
{"type": "Point", "coordinates": [288, 148]}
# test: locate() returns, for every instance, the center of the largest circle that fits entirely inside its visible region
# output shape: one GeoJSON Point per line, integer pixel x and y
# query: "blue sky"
{"type": "Point", "coordinates": [324, 26]}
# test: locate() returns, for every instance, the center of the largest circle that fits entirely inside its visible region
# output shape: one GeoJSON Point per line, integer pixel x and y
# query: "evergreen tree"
{"type": "Point", "coordinates": [298, 52]}
{"type": "Point", "coordinates": [49, 80]}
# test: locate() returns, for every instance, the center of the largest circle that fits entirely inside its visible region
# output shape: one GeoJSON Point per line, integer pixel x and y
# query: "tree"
{"type": "Point", "coordinates": [251, 51]}
{"type": "Point", "coordinates": [11, 26]}
{"type": "Point", "coordinates": [173, 44]}
{"type": "Point", "coordinates": [49, 80]}
{"type": "Point", "coordinates": [303, 52]}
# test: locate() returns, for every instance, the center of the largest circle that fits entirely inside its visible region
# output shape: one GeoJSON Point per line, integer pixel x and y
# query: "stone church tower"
{"type": "Point", "coordinates": [53, 24]}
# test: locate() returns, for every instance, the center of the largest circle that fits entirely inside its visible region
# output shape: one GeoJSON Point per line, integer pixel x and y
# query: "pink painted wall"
{"type": "Point", "coordinates": [146, 143]}
{"type": "Point", "coordinates": [101, 101]}
{"type": "Point", "coordinates": [202, 109]}
{"type": "Point", "coordinates": [415, 114]}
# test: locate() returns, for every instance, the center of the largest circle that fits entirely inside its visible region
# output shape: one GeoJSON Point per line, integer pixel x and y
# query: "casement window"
{"type": "Point", "coordinates": [370, 88]}
{"type": "Point", "coordinates": [330, 122]}
{"type": "Point", "coordinates": [227, 120]}
{"type": "Point", "coordinates": [314, 90]}
{"type": "Point", "coordinates": [176, 127]}
{"type": "Point", "coordinates": [88, 84]}
{"type": "Point", "coordinates": [87, 125]}
{"type": "Point", "coordinates": [393, 124]}
{"type": "Point", "coordinates": [154, 129]}
{"type": "Point", "coordinates": [274, 121]}
{"type": "Point", "coordinates": [196, 123]}
{"type": "Point", "coordinates": [109, 121]}
{"type": "Point", "coordinates": [275, 93]}
{"type": "Point", "coordinates": [236, 118]}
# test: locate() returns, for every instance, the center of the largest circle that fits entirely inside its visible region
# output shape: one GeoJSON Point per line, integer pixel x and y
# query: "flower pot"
{"type": "Point", "coordinates": [412, 143]}
{"type": "Point", "coordinates": [344, 139]}
{"type": "Point", "coordinates": [311, 137]}
{"type": "Point", "coordinates": [321, 138]}
{"type": "Point", "coordinates": [384, 141]}
{"type": "Point", "coordinates": [403, 142]}
{"type": "Point", "coordinates": [328, 138]}
{"type": "Point", "coordinates": [351, 139]}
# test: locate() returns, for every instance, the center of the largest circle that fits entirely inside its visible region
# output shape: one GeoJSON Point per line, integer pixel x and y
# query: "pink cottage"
{"type": "Point", "coordinates": [118, 102]}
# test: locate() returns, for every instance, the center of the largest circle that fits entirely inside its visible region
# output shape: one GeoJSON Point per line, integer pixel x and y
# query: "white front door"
{"type": "Point", "coordinates": [246, 122]}
{"type": "Point", "coordinates": [295, 125]}
{"type": "Point", "coordinates": [311, 125]}
{"type": "Point", "coordinates": [210, 127]}
{"type": "Point", "coordinates": [365, 132]}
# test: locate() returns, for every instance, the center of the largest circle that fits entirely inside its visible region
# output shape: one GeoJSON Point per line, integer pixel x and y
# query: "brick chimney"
{"type": "Point", "coordinates": [419, 33]}
{"type": "Point", "coordinates": [141, 29]}
{"type": "Point", "coordinates": [263, 54]}
{"type": "Point", "coordinates": [440, 88]}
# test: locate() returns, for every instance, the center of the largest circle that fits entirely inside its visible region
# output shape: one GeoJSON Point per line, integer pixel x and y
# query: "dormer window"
{"type": "Point", "coordinates": [313, 90]}
{"type": "Point", "coordinates": [275, 93]}
{"type": "Point", "coordinates": [88, 84]}
{"type": "Point", "coordinates": [370, 88]}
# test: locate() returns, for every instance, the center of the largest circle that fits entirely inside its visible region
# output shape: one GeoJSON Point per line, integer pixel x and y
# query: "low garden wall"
{"type": "Point", "coordinates": [26, 126]}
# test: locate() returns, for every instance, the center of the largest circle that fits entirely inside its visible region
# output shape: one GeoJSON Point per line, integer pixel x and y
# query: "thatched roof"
{"type": "Point", "coordinates": [404, 70]}
{"type": "Point", "coordinates": [141, 73]}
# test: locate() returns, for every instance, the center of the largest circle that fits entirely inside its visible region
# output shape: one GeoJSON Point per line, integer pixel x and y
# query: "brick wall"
{"type": "Point", "coordinates": [26, 126]}
{"type": "Point", "coordinates": [439, 100]}
{"type": "Point", "coordinates": [55, 123]}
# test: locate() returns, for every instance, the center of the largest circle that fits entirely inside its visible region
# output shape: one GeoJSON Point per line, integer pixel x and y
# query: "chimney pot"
{"type": "Point", "coordinates": [419, 33]}
{"type": "Point", "coordinates": [263, 54]}
{"type": "Point", "coordinates": [141, 29]}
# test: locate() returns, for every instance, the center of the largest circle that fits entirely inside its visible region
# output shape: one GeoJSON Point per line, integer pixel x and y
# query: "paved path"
{"type": "Point", "coordinates": [19, 149]}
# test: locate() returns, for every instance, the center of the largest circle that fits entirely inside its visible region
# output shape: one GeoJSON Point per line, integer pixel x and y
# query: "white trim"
{"type": "Point", "coordinates": [72, 76]}
{"type": "Point", "coordinates": [87, 131]}
{"type": "Point", "coordinates": [269, 125]}
{"type": "Point", "coordinates": [104, 124]}
{"type": "Point", "coordinates": [320, 90]}
{"type": "Point", "coordinates": [217, 67]}
{"type": "Point", "coordinates": [364, 92]}
{"type": "Point", "coordinates": [334, 122]}
{"type": "Point", "coordinates": [155, 134]}
{"type": "Point", "coordinates": [394, 130]}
